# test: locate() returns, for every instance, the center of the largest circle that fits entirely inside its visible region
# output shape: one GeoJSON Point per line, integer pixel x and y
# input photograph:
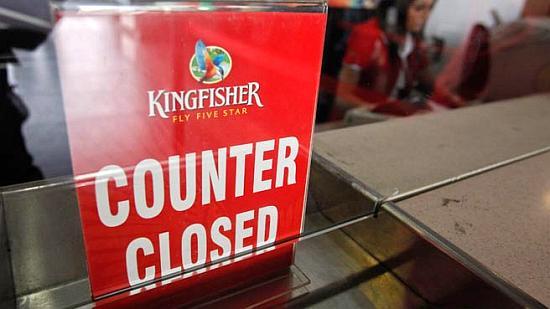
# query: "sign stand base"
{"type": "Point", "coordinates": [279, 289]}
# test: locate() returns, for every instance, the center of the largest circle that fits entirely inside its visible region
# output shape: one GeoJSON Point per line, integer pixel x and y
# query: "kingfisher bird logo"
{"type": "Point", "coordinates": [209, 64]}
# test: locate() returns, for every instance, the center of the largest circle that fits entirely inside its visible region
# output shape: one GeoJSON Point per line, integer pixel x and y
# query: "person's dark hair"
{"type": "Point", "coordinates": [382, 12]}
{"type": "Point", "coordinates": [397, 24]}
{"type": "Point", "coordinates": [392, 15]}
{"type": "Point", "coordinates": [402, 10]}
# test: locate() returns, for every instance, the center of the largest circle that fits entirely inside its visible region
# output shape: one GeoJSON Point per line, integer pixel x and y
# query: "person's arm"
{"type": "Point", "coordinates": [350, 96]}
{"type": "Point", "coordinates": [444, 95]}
{"type": "Point", "coordinates": [363, 46]}
{"type": "Point", "coordinates": [358, 50]}
{"type": "Point", "coordinates": [348, 80]}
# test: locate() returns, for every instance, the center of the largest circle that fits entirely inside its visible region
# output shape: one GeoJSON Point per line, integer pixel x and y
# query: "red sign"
{"type": "Point", "coordinates": [192, 131]}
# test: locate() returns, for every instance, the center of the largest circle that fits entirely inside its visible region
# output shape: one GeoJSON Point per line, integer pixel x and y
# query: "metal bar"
{"type": "Point", "coordinates": [31, 20]}
{"type": "Point", "coordinates": [488, 168]}
{"type": "Point", "coordinates": [7, 290]}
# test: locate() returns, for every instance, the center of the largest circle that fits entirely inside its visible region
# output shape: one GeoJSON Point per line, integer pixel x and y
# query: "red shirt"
{"type": "Point", "coordinates": [369, 48]}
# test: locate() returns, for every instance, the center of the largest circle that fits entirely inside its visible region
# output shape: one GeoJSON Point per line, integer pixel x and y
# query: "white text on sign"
{"type": "Point", "coordinates": [194, 238]}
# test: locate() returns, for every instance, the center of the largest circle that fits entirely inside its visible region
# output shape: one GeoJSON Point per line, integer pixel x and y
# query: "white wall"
{"type": "Point", "coordinates": [453, 19]}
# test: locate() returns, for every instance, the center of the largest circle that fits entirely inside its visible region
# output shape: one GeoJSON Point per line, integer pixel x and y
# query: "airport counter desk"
{"type": "Point", "coordinates": [441, 210]}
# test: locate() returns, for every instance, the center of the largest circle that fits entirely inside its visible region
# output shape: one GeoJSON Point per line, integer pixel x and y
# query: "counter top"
{"type": "Point", "coordinates": [475, 182]}
{"type": "Point", "coordinates": [410, 153]}
{"type": "Point", "coordinates": [500, 218]}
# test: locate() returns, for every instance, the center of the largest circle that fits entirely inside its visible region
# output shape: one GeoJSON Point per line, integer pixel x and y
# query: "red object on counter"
{"type": "Point", "coordinates": [177, 166]}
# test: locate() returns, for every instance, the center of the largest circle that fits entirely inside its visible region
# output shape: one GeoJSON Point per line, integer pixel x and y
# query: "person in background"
{"type": "Point", "coordinates": [16, 165]}
{"type": "Point", "coordinates": [386, 59]}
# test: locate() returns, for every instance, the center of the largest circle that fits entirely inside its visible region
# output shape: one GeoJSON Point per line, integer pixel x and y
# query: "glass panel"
{"type": "Point", "coordinates": [44, 228]}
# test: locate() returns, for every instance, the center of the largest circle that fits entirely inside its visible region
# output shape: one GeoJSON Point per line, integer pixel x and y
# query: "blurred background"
{"type": "Point", "coordinates": [463, 53]}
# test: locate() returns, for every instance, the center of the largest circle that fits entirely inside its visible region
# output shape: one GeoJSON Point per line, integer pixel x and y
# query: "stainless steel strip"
{"type": "Point", "coordinates": [91, 7]}
{"type": "Point", "coordinates": [68, 295]}
{"type": "Point", "coordinates": [45, 239]}
{"type": "Point", "coordinates": [37, 22]}
{"type": "Point", "coordinates": [7, 291]}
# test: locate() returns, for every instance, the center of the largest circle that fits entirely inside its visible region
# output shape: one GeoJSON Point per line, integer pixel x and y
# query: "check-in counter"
{"type": "Point", "coordinates": [462, 200]}
{"type": "Point", "coordinates": [472, 183]}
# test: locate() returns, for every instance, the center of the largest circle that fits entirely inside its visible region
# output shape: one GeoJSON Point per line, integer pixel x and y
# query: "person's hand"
{"type": "Point", "coordinates": [455, 100]}
{"type": "Point", "coordinates": [400, 108]}
{"type": "Point", "coordinates": [444, 96]}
